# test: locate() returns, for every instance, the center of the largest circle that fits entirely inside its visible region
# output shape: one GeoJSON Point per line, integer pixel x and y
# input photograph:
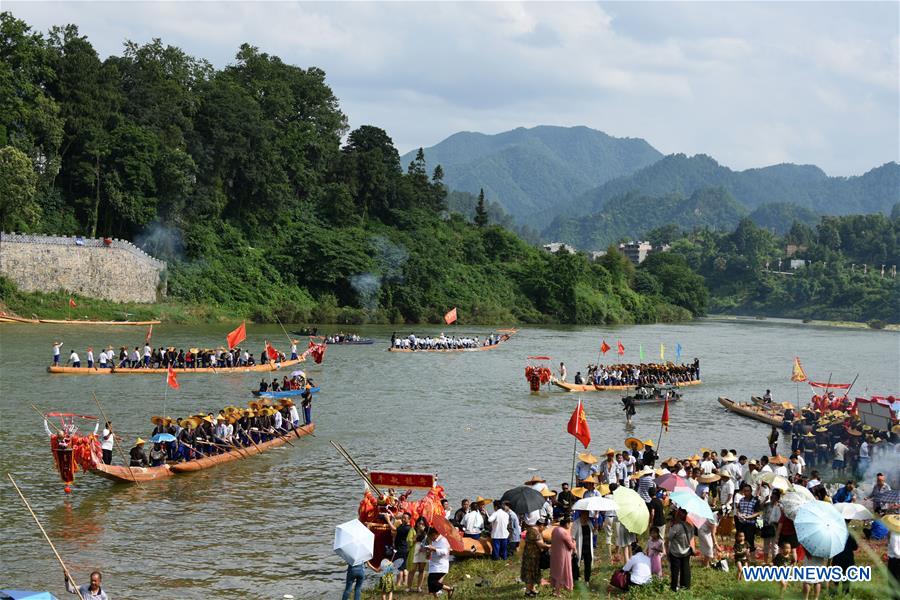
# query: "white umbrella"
{"type": "Point", "coordinates": [792, 501]}
{"type": "Point", "coordinates": [776, 481]}
{"type": "Point", "coordinates": [354, 542]}
{"type": "Point", "coordinates": [298, 374]}
{"type": "Point", "coordinates": [595, 503]}
{"type": "Point", "coordinates": [852, 511]}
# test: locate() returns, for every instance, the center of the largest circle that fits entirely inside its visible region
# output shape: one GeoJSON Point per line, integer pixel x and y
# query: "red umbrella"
{"type": "Point", "coordinates": [446, 529]}
{"type": "Point", "coordinates": [670, 481]}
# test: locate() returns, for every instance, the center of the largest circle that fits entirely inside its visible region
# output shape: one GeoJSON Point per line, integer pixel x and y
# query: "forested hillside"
{"type": "Point", "coordinates": [238, 177]}
{"type": "Point", "coordinates": [528, 171]}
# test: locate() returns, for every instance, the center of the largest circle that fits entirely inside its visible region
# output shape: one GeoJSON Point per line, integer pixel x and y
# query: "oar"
{"type": "Point", "coordinates": [282, 436]}
{"type": "Point", "coordinates": [126, 462]}
{"type": "Point", "coordinates": [356, 467]}
{"type": "Point", "coordinates": [46, 537]}
{"type": "Point", "coordinates": [43, 416]}
{"type": "Point", "coordinates": [197, 450]}
{"type": "Point", "coordinates": [250, 437]}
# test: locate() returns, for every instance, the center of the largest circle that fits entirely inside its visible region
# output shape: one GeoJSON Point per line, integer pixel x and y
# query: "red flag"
{"type": "Point", "coordinates": [665, 415]}
{"type": "Point", "coordinates": [620, 349]}
{"type": "Point", "coordinates": [237, 336]}
{"type": "Point", "coordinates": [171, 379]}
{"type": "Point", "coordinates": [450, 316]}
{"type": "Point", "coordinates": [149, 333]}
{"type": "Point", "coordinates": [271, 352]}
{"type": "Point", "coordinates": [604, 347]}
{"type": "Point", "coordinates": [72, 302]}
{"type": "Point", "coordinates": [578, 426]}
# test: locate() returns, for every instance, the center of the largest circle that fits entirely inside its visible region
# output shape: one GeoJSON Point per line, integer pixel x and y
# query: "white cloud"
{"type": "Point", "coordinates": [748, 83]}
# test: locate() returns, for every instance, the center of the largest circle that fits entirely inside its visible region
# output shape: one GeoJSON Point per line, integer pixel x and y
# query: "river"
{"type": "Point", "coordinates": [262, 527]}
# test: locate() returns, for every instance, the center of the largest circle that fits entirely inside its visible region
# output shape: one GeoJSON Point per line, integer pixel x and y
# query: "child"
{"type": "Point", "coordinates": [741, 554]}
{"type": "Point", "coordinates": [386, 583]}
{"type": "Point", "coordinates": [785, 558]}
{"type": "Point", "coordinates": [655, 551]}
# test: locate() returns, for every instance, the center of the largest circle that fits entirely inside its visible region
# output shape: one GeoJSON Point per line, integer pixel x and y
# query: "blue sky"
{"type": "Point", "coordinates": [751, 84]}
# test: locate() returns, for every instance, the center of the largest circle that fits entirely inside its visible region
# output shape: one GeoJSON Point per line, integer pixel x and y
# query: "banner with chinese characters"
{"type": "Point", "coordinates": [388, 479]}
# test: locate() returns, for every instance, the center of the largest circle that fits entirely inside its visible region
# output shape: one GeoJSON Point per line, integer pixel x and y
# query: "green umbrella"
{"type": "Point", "coordinates": [631, 511]}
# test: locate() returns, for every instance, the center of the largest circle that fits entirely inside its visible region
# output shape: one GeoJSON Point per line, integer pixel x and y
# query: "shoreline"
{"type": "Point", "coordinates": [805, 322]}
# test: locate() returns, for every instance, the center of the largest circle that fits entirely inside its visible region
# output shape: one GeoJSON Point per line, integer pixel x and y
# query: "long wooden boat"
{"type": "Point", "coordinates": [271, 366]}
{"type": "Point", "coordinates": [124, 474]}
{"type": "Point", "coordinates": [11, 319]}
{"type": "Point", "coordinates": [769, 416]}
{"type": "Point", "coordinates": [587, 387]}
{"type": "Point", "coordinates": [505, 334]}
{"type": "Point", "coordinates": [362, 342]}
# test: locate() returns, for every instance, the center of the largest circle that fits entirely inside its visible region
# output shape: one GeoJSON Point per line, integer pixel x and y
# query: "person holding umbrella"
{"type": "Point", "coordinates": [583, 536]}
{"type": "Point", "coordinates": [679, 547]}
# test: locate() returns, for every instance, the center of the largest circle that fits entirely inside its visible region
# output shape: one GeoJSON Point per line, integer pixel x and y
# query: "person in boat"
{"type": "Point", "coordinates": [263, 385]}
{"type": "Point", "coordinates": [306, 404]}
{"type": "Point", "coordinates": [767, 397]}
{"type": "Point", "coordinates": [579, 380]}
{"type": "Point", "coordinates": [136, 455]}
{"type": "Point", "coordinates": [88, 591]}
{"type": "Point", "coordinates": [157, 455]}
{"type": "Point", "coordinates": [107, 441]}
{"type": "Point", "coordinates": [293, 413]}
{"type": "Point", "coordinates": [56, 347]}
{"type": "Point", "coordinates": [185, 439]}
{"type": "Point", "coordinates": [90, 357]}
{"type": "Point", "coordinates": [275, 387]}
{"type": "Point", "coordinates": [74, 360]}
{"type": "Point", "coordinates": [562, 371]}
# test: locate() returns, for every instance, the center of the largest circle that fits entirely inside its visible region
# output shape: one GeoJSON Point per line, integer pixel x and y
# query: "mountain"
{"type": "Point", "coordinates": [806, 186]}
{"type": "Point", "coordinates": [531, 170]}
{"type": "Point", "coordinates": [779, 216]}
{"type": "Point", "coordinates": [632, 215]}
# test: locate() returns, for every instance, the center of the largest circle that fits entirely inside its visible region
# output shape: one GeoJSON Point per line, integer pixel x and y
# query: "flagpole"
{"type": "Point", "coordinates": [574, 453]}
{"type": "Point", "coordinates": [659, 439]}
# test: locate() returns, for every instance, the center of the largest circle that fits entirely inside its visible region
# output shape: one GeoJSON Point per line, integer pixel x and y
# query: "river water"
{"type": "Point", "coordinates": [262, 527]}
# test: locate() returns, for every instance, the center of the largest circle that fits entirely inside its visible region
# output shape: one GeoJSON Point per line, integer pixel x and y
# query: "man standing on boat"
{"type": "Point", "coordinates": [56, 347]}
{"type": "Point", "coordinates": [107, 441]}
{"type": "Point", "coordinates": [306, 404]}
{"type": "Point", "coordinates": [562, 371]}
{"type": "Point", "coordinates": [90, 357]}
{"type": "Point", "coordinates": [88, 591]}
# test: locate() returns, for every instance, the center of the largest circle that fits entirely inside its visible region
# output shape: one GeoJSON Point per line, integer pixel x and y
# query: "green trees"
{"type": "Point", "coordinates": [481, 215]}
{"type": "Point", "coordinates": [18, 210]}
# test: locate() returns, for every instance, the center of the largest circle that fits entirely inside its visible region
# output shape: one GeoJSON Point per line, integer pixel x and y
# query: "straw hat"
{"type": "Point", "coordinates": [822, 429]}
{"type": "Point", "coordinates": [592, 478]}
{"type": "Point", "coordinates": [249, 413]}
{"type": "Point", "coordinates": [695, 457]}
{"type": "Point", "coordinates": [648, 443]}
{"type": "Point", "coordinates": [645, 471]}
{"type": "Point", "coordinates": [208, 419]}
{"type": "Point", "coordinates": [578, 492]}
{"type": "Point", "coordinates": [779, 460]}
{"type": "Point", "coordinates": [547, 493]}
{"type": "Point", "coordinates": [723, 474]}
{"type": "Point", "coordinates": [587, 458]}
{"type": "Point", "coordinates": [535, 479]}
{"type": "Point", "coordinates": [156, 420]}
{"type": "Point", "coordinates": [787, 405]}
{"type": "Point", "coordinates": [609, 451]}
{"type": "Point", "coordinates": [753, 462]}
{"type": "Point", "coordinates": [892, 522]}
{"type": "Point", "coordinates": [729, 458]}
{"type": "Point", "coordinates": [287, 402]}
{"type": "Point", "coordinates": [808, 434]}
{"type": "Point", "coordinates": [633, 441]}
{"type": "Point", "coordinates": [660, 472]}
{"type": "Point", "coordinates": [603, 489]}
{"type": "Point", "coordinates": [139, 442]}
{"type": "Point", "coordinates": [480, 500]}
{"type": "Point", "coordinates": [708, 478]}
{"type": "Point", "coordinates": [254, 404]}
{"type": "Point", "coordinates": [670, 462]}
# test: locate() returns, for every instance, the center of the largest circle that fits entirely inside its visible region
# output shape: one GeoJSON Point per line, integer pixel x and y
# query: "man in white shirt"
{"type": "Point", "coordinates": [562, 371]}
{"type": "Point", "coordinates": [102, 358]}
{"type": "Point", "coordinates": [499, 521]}
{"type": "Point", "coordinates": [472, 524]}
{"type": "Point", "coordinates": [56, 347]}
{"type": "Point", "coordinates": [733, 467]}
{"type": "Point", "coordinates": [794, 467]}
{"type": "Point", "coordinates": [147, 352]}
{"type": "Point", "coordinates": [840, 450]}
{"type": "Point", "coordinates": [73, 358]}
{"type": "Point", "coordinates": [707, 465]}
{"type": "Point", "coordinates": [638, 567]}
{"type": "Point", "coordinates": [107, 441]}
{"type": "Point", "coordinates": [726, 489]}
{"type": "Point", "coordinates": [90, 357]}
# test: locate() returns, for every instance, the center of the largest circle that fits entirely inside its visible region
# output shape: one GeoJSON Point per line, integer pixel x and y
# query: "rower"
{"type": "Point", "coordinates": [578, 379]}
{"type": "Point", "coordinates": [138, 459]}
{"type": "Point", "coordinates": [73, 358]}
{"type": "Point", "coordinates": [767, 397]}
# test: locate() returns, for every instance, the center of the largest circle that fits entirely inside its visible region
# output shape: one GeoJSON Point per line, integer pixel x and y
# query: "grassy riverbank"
{"type": "Point", "coordinates": [495, 580]}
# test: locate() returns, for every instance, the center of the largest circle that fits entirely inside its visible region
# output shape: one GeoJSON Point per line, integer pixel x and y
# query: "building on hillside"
{"type": "Point", "coordinates": [792, 249]}
{"type": "Point", "coordinates": [636, 252]}
{"type": "Point", "coordinates": [597, 254]}
{"type": "Point", "coordinates": [797, 263]}
{"type": "Point", "coordinates": [554, 247]}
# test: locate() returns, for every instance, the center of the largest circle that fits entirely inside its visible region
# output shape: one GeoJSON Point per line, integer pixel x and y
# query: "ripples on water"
{"type": "Point", "coordinates": [262, 527]}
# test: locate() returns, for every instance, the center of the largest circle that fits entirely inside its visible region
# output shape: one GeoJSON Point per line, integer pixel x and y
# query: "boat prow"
{"type": "Point", "coordinates": [123, 474]}
{"type": "Point", "coordinates": [758, 413]}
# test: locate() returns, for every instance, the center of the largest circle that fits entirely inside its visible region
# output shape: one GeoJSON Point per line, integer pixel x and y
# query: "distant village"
{"type": "Point", "coordinates": [636, 252]}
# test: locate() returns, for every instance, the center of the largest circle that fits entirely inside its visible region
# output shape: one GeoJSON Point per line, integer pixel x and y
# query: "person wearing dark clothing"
{"type": "Point", "coordinates": [845, 558]}
{"type": "Point", "coordinates": [649, 457]}
{"type": "Point", "coordinates": [565, 499]}
{"type": "Point", "coordinates": [138, 459]}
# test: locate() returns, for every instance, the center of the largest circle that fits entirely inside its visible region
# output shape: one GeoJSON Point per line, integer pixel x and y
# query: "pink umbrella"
{"type": "Point", "coordinates": [670, 481]}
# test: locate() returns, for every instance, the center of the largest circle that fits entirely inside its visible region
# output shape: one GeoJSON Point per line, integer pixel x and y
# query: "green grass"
{"type": "Point", "coordinates": [495, 580]}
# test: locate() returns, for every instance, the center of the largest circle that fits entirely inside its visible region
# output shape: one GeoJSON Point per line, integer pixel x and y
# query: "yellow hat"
{"type": "Point", "coordinates": [208, 419]}
{"type": "Point", "coordinates": [603, 489]}
{"type": "Point", "coordinates": [535, 479]}
{"type": "Point", "coordinates": [156, 420]}
{"type": "Point", "coordinates": [480, 500]}
{"type": "Point", "coordinates": [609, 451]}
{"type": "Point", "coordinates": [547, 493]}
{"type": "Point", "coordinates": [591, 479]}
{"type": "Point", "coordinates": [139, 442]}
{"type": "Point", "coordinates": [587, 458]}
{"type": "Point", "coordinates": [892, 522]}
{"type": "Point", "coordinates": [787, 405]}
{"type": "Point", "coordinates": [632, 441]}
{"type": "Point", "coordinates": [648, 443]}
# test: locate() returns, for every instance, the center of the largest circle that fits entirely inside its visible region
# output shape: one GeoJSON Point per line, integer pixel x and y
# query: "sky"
{"type": "Point", "coordinates": [751, 84]}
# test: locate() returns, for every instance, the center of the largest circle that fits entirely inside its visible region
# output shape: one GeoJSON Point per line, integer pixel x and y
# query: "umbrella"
{"type": "Point", "coordinates": [354, 542]}
{"type": "Point", "coordinates": [892, 522]}
{"type": "Point", "coordinates": [670, 481]}
{"type": "Point", "coordinates": [595, 503]}
{"type": "Point", "coordinates": [792, 500]}
{"type": "Point", "coordinates": [523, 499]}
{"type": "Point", "coordinates": [776, 481]}
{"type": "Point", "coordinates": [631, 510]}
{"type": "Point", "coordinates": [852, 511]}
{"type": "Point", "coordinates": [821, 529]}
{"type": "Point", "coordinates": [25, 595]}
{"type": "Point", "coordinates": [162, 437]}
{"type": "Point", "coordinates": [298, 374]}
{"type": "Point", "coordinates": [693, 504]}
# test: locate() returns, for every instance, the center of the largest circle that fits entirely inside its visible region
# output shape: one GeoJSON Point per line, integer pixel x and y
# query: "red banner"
{"type": "Point", "coordinates": [422, 481]}
{"type": "Point", "coordinates": [171, 378]}
{"type": "Point", "coordinates": [604, 347]}
{"type": "Point", "coordinates": [237, 336]}
{"type": "Point", "coordinates": [450, 317]}
{"type": "Point", "coordinates": [578, 426]}
{"type": "Point", "coordinates": [620, 348]}
{"type": "Point", "coordinates": [836, 386]}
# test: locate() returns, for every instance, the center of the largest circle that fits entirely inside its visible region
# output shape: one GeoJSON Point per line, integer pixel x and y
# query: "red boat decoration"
{"type": "Point", "coordinates": [71, 450]}
{"type": "Point", "coordinates": [537, 374]}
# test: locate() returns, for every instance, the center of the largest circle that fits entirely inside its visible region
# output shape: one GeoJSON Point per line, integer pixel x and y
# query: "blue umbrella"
{"type": "Point", "coordinates": [25, 595]}
{"type": "Point", "coordinates": [693, 504]}
{"type": "Point", "coordinates": [162, 437]}
{"type": "Point", "coordinates": [821, 529]}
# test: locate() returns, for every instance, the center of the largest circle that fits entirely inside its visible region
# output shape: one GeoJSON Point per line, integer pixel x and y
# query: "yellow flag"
{"type": "Point", "coordinates": [662, 352]}
{"type": "Point", "coordinates": [797, 373]}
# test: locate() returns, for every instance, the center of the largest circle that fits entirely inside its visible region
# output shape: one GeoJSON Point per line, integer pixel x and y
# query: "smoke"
{"type": "Point", "coordinates": [161, 241]}
{"type": "Point", "coordinates": [390, 258]}
{"type": "Point", "coordinates": [886, 463]}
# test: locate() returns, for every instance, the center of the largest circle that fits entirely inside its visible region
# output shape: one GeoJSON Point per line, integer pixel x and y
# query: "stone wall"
{"type": "Point", "coordinates": [118, 271]}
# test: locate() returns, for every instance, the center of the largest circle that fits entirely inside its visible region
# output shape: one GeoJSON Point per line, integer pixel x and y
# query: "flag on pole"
{"type": "Point", "coordinates": [72, 302]}
{"type": "Point", "coordinates": [149, 333]}
{"type": "Point", "coordinates": [171, 379]}
{"type": "Point", "coordinates": [578, 425]}
{"type": "Point", "coordinates": [665, 415]}
{"type": "Point", "coordinates": [641, 351]}
{"type": "Point", "coordinates": [797, 373]}
{"type": "Point", "coordinates": [662, 352]}
{"type": "Point", "coordinates": [620, 349]}
{"type": "Point", "coordinates": [237, 336]}
{"type": "Point", "coordinates": [604, 347]}
{"type": "Point", "coordinates": [677, 351]}
{"type": "Point", "coordinates": [450, 317]}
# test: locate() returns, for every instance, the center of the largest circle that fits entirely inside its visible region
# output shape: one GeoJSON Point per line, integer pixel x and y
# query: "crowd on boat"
{"type": "Point", "coordinates": [443, 342]}
{"type": "Point", "coordinates": [148, 357]}
{"type": "Point", "coordinates": [343, 338]}
{"type": "Point", "coordinates": [643, 374]}
{"type": "Point", "coordinates": [750, 505]}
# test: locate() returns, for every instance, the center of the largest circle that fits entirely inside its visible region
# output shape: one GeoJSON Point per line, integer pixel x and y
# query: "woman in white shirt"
{"type": "Point", "coordinates": [638, 567]}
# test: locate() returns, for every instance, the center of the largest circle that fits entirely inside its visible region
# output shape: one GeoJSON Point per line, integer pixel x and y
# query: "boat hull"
{"type": "Point", "coordinates": [584, 387]}
{"type": "Point", "coordinates": [9, 319]}
{"type": "Point", "coordinates": [129, 371]}
{"type": "Point", "coordinates": [124, 474]}
{"type": "Point", "coordinates": [752, 412]}
{"type": "Point", "coordinates": [507, 333]}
